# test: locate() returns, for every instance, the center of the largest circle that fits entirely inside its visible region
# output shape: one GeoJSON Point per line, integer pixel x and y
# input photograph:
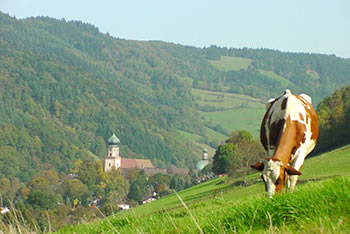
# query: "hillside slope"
{"type": "Point", "coordinates": [65, 87]}
{"type": "Point", "coordinates": [211, 204]}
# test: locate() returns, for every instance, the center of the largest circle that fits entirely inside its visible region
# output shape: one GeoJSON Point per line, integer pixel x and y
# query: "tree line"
{"type": "Point", "coordinates": [87, 192]}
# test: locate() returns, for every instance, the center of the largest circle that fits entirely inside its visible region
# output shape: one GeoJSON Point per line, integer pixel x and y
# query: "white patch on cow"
{"type": "Point", "coordinates": [294, 108]}
{"type": "Point", "coordinates": [276, 113]}
{"type": "Point", "coordinates": [306, 98]}
{"type": "Point", "coordinates": [270, 174]}
{"type": "Point", "coordinates": [269, 103]}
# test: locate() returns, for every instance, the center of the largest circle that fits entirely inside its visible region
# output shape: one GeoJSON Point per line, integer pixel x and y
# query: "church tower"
{"type": "Point", "coordinates": [205, 154]}
{"type": "Point", "coordinates": [113, 158]}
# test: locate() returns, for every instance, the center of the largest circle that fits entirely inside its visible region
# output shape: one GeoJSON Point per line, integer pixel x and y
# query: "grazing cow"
{"type": "Point", "coordinates": [288, 133]}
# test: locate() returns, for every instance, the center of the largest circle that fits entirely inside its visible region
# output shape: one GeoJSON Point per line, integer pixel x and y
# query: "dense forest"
{"type": "Point", "coordinates": [334, 120]}
{"type": "Point", "coordinates": [65, 87]}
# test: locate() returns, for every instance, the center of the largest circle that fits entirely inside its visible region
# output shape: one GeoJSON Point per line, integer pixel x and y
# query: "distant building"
{"type": "Point", "coordinates": [205, 160]}
{"type": "Point", "coordinates": [114, 160]}
{"type": "Point", "coordinates": [172, 170]}
{"type": "Point", "coordinates": [124, 206]}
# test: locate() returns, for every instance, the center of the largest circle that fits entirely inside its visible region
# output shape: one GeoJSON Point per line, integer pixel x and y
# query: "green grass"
{"type": "Point", "coordinates": [284, 82]}
{"type": "Point", "coordinates": [228, 63]}
{"type": "Point", "coordinates": [196, 138]}
{"type": "Point", "coordinates": [237, 111]}
{"type": "Point", "coordinates": [334, 163]}
{"type": "Point", "coordinates": [189, 136]}
{"type": "Point", "coordinates": [315, 206]}
{"type": "Point", "coordinates": [214, 135]}
{"type": "Point", "coordinates": [225, 100]}
{"type": "Point", "coordinates": [236, 119]}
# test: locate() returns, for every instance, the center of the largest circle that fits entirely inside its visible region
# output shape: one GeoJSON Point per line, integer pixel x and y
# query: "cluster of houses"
{"type": "Point", "coordinates": [113, 159]}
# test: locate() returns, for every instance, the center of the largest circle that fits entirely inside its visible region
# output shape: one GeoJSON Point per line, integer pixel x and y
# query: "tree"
{"type": "Point", "coordinates": [237, 154]}
{"type": "Point", "coordinates": [222, 157]}
{"type": "Point", "coordinates": [240, 135]}
{"type": "Point", "coordinates": [41, 199]}
{"type": "Point", "coordinates": [91, 173]}
{"type": "Point", "coordinates": [73, 189]}
{"type": "Point", "coordinates": [193, 177]}
{"type": "Point", "coordinates": [117, 187]}
{"type": "Point", "coordinates": [247, 153]}
{"type": "Point", "coordinates": [138, 187]}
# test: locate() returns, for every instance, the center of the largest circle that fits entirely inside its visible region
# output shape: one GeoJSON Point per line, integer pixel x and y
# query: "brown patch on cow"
{"type": "Point", "coordinates": [310, 116]}
{"type": "Point", "coordinates": [269, 120]}
{"type": "Point", "coordinates": [301, 117]}
{"type": "Point", "coordinates": [284, 104]}
{"type": "Point", "coordinates": [258, 166]}
{"type": "Point", "coordinates": [300, 136]}
{"type": "Point", "coordinates": [266, 119]}
{"type": "Point", "coordinates": [314, 125]}
{"type": "Point", "coordinates": [276, 129]}
{"type": "Point", "coordinates": [280, 181]}
{"type": "Point", "coordinates": [263, 138]}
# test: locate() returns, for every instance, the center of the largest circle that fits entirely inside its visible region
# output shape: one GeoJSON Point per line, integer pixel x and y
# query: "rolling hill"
{"type": "Point", "coordinates": [213, 203]}
{"type": "Point", "coordinates": [65, 87]}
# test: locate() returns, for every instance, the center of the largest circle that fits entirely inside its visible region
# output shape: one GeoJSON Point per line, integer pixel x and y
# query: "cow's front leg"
{"type": "Point", "coordinates": [297, 163]}
{"type": "Point", "coordinates": [291, 182]}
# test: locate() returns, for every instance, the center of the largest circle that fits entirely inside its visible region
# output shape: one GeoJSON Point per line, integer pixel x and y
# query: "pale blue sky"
{"type": "Point", "coordinates": [317, 26]}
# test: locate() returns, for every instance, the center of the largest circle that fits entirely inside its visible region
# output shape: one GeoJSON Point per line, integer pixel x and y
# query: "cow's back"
{"type": "Point", "coordinates": [289, 114]}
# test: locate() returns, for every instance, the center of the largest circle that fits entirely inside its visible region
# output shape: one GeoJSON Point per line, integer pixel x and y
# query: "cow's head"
{"type": "Point", "coordinates": [273, 174]}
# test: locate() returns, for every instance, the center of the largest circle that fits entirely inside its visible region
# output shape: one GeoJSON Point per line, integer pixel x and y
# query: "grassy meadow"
{"type": "Point", "coordinates": [231, 111]}
{"type": "Point", "coordinates": [229, 63]}
{"type": "Point", "coordinates": [321, 203]}
{"type": "Point", "coordinates": [284, 82]}
{"type": "Point", "coordinates": [237, 119]}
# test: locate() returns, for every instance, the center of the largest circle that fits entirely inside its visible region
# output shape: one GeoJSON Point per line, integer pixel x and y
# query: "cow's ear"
{"type": "Point", "coordinates": [292, 171]}
{"type": "Point", "coordinates": [258, 166]}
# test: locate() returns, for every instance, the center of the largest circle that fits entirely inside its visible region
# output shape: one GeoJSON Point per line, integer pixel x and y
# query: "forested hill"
{"type": "Point", "coordinates": [64, 88]}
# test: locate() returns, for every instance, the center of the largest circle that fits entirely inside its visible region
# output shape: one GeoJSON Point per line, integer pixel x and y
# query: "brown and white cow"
{"type": "Point", "coordinates": [288, 133]}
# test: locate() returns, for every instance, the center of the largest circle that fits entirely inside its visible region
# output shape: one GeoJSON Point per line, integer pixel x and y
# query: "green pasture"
{"type": "Point", "coordinates": [224, 100]}
{"type": "Point", "coordinates": [334, 163]}
{"type": "Point", "coordinates": [238, 119]}
{"type": "Point", "coordinates": [214, 135]}
{"type": "Point", "coordinates": [228, 63]}
{"type": "Point", "coordinates": [319, 204]}
{"type": "Point", "coordinates": [196, 138]}
{"type": "Point", "coordinates": [234, 112]}
{"type": "Point", "coordinates": [284, 82]}
{"type": "Point", "coordinates": [189, 136]}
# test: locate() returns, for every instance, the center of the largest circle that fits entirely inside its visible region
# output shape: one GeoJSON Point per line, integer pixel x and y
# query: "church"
{"type": "Point", "coordinates": [114, 160]}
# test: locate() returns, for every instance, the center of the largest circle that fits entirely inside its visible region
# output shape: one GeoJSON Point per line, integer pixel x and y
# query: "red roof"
{"type": "Point", "coordinates": [136, 163]}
